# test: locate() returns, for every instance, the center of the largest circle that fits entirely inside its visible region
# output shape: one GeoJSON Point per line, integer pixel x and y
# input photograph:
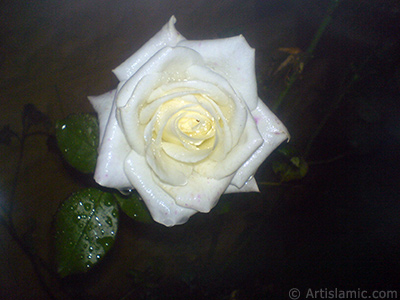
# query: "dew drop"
{"type": "Point", "coordinates": [109, 221]}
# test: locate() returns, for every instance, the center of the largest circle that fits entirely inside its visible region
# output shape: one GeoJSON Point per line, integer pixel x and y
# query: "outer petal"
{"type": "Point", "coordinates": [162, 206]}
{"type": "Point", "coordinates": [273, 133]}
{"type": "Point", "coordinates": [102, 104]}
{"type": "Point", "coordinates": [232, 58]}
{"type": "Point", "coordinates": [113, 146]}
{"type": "Point", "coordinates": [167, 36]}
{"type": "Point", "coordinates": [200, 193]}
{"type": "Point", "coordinates": [249, 186]}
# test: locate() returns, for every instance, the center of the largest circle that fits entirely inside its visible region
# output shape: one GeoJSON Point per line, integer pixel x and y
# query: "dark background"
{"type": "Point", "coordinates": [339, 227]}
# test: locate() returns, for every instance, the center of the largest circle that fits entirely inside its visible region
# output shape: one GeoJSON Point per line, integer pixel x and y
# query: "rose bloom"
{"type": "Point", "coordinates": [185, 124]}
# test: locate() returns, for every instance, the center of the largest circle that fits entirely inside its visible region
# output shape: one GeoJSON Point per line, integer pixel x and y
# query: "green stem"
{"type": "Point", "coordinates": [325, 22]}
{"type": "Point", "coordinates": [309, 52]}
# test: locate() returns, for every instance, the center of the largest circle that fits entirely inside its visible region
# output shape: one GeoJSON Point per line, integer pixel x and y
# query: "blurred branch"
{"type": "Point", "coordinates": [309, 52]}
{"type": "Point", "coordinates": [355, 74]}
{"type": "Point", "coordinates": [30, 117]}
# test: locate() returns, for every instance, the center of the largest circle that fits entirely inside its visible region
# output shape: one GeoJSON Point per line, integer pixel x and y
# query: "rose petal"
{"type": "Point", "coordinates": [182, 154]}
{"type": "Point", "coordinates": [102, 104]}
{"type": "Point", "coordinates": [167, 169]}
{"type": "Point", "coordinates": [249, 186]}
{"type": "Point", "coordinates": [177, 61]}
{"type": "Point", "coordinates": [248, 143]}
{"type": "Point", "coordinates": [167, 36]}
{"type": "Point", "coordinates": [273, 133]}
{"type": "Point", "coordinates": [162, 206]}
{"type": "Point", "coordinates": [200, 193]}
{"type": "Point", "coordinates": [235, 119]}
{"type": "Point", "coordinates": [232, 58]}
{"type": "Point", "coordinates": [113, 147]}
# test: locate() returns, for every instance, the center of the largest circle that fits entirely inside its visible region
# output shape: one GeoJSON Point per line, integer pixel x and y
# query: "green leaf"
{"type": "Point", "coordinates": [78, 139]}
{"type": "Point", "coordinates": [289, 164]}
{"type": "Point", "coordinates": [134, 207]}
{"type": "Point", "coordinates": [85, 229]}
{"type": "Point", "coordinates": [287, 150]}
{"type": "Point", "coordinates": [293, 169]}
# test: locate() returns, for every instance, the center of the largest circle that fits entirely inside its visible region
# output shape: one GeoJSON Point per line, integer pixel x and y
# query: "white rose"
{"type": "Point", "coordinates": [185, 124]}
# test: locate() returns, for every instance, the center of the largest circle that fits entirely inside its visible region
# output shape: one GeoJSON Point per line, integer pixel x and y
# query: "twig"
{"type": "Point", "coordinates": [271, 183]}
{"type": "Point", "coordinates": [310, 50]}
{"type": "Point", "coordinates": [327, 161]}
{"type": "Point", "coordinates": [6, 217]}
{"type": "Point", "coordinates": [35, 260]}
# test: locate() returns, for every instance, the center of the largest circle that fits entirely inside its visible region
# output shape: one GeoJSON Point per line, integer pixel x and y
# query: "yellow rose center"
{"type": "Point", "coordinates": [196, 127]}
{"type": "Point", "coordinates": [189, 124]}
